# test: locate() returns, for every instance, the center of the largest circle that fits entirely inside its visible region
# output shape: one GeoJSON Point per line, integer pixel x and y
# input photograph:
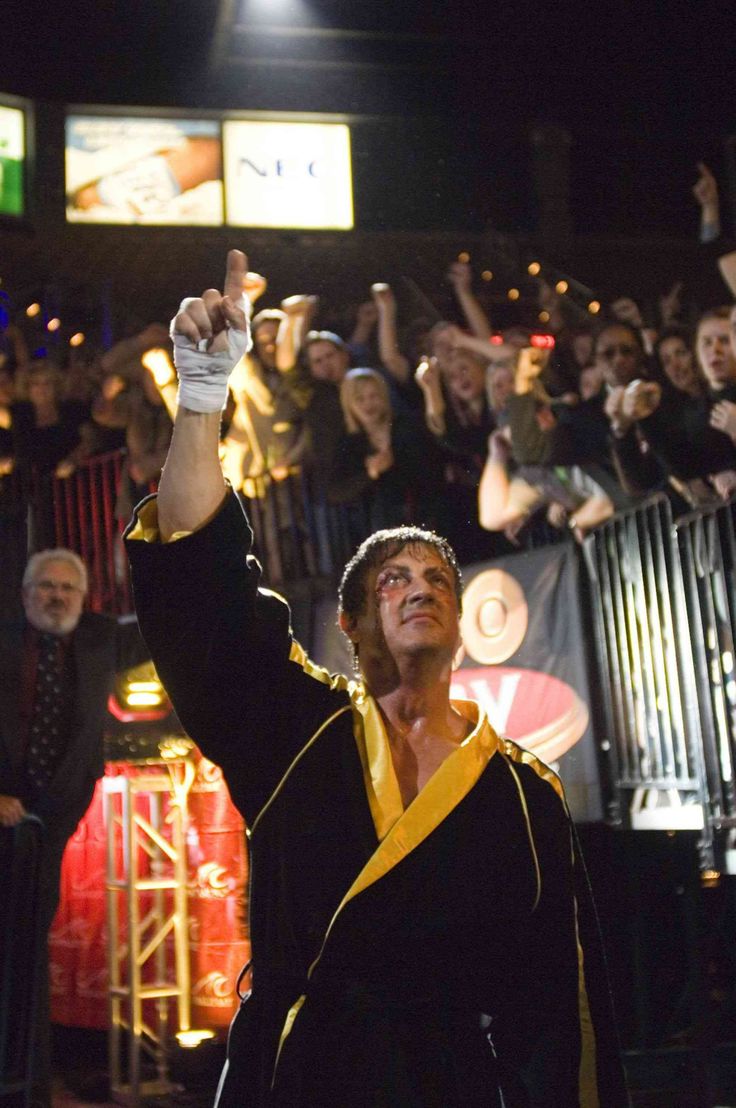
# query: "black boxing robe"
{"type": "Point", "coordinates": [427, 957]}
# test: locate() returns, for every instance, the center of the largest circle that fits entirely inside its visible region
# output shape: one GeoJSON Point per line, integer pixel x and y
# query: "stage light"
{"type": "Point", "coordinates": [513, 294]}
{"type": "Point", "coordinates": [53, 324]}
{"type": "Point", "coordinates": [594, 307]}
{"type": "Point", "coordinates": [32, 310]}
{"type": "Point", "coordinates": [463, 256]}
{"type": "Point", "coordinates": [542, 342]}
{"type": "Point", "coordinates": [194, 1037]}
{"type": "Point", "coordinates": [496, 340]}
{"type": "Point", "coordinates": [544, 317]}
{"type": "Point", "coordinates": [158, 362]}
{"type": "Point", "coordinates": [144, 694]}
{"type": "Point", "coordinates": [561, 287]}
{"type": "Point", "coordinates": [533, 269]}
{"type": "Point", "coordinates": [487, 275]}
{"type": "Point", "coordinates": [77, 339]}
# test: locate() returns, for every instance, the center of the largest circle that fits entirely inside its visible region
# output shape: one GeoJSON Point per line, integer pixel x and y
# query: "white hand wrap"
{"type": "Point", "coordinates": [203, 375]}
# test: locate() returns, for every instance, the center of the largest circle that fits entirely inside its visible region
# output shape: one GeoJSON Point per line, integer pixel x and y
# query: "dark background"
{"type": "Point", "coordinates": [644, 89]}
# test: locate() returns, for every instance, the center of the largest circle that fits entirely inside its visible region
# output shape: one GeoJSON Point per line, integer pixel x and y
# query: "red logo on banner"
{"type": "Point", "coordinates": [540, 712]}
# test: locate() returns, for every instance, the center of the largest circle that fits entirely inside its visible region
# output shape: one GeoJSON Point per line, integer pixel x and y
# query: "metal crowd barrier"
{"type": "Point", "coordinates": [664, 613]}
{"type": "Point", "coordinates": [298, 534]}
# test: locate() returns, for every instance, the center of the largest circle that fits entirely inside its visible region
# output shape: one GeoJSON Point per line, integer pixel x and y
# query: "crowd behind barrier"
{"type": "Point", "coordinates": [347, 418]}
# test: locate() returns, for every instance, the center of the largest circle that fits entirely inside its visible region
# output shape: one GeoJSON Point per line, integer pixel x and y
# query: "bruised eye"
{"type": "Point", "coordinates": [390, 578]}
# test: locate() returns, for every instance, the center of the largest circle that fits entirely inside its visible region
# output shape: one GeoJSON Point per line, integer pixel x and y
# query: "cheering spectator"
{"type": "Point", "coordinates": [383, 467]}
{"type": "Point", "coordinates": [458, 416]}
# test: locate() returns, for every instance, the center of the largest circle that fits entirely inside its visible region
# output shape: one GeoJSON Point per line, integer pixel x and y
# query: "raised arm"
{"type": "Point", "coordinates": [210, 335]}
{"type": "Point", "coordinates": [298, 314]}
{"type": "Point", "coordinates": [460, 277]}
{"type": "Point", "coordinates": [705, 191]}
{"type": "Point", "coordinates": [388, 342]}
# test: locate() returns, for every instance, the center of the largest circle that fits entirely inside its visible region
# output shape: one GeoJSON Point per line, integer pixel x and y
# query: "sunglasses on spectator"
{"type": "Point", "coordinates": [623, 348]}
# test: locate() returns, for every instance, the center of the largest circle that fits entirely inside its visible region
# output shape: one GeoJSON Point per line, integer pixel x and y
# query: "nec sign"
{"type": "Point", "coordinates": [283, 174]}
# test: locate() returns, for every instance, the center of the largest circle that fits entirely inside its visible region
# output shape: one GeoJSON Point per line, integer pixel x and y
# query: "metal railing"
{"type": "Point", "coordinates": [664, 614]}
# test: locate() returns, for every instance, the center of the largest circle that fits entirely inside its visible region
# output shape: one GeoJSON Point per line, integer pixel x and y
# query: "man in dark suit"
{"type": "Point", "coordinates": [56, 668]}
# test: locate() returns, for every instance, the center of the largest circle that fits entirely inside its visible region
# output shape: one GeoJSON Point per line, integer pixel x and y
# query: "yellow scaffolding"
{"type": "Point", "coordinates": [148, 945]}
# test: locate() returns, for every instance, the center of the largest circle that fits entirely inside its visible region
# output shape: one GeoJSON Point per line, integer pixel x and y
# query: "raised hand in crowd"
{"type": "Point", "coordinates": [705, 191]}
{"type": "Point", "coordinates": [627, 311]}
{"type": "Point", "coordinates": [640, 399]}
{"type": "Point", "coordinates": [670, 305]}
{"type": "Point", "coordinates": [724, 483]}
{"type": "Point", "coordinates": [461, 278]}
{"type": "Point", "coordinates": [723, 418]}
{"type": "Point", "coordinates": [388, 342]}
{"type": "Point", "coordinates": [299, 311]}
{"type": "Point", "coordinates": [254, 285]}
{"type": "Point", "coordinates": [427, 376]}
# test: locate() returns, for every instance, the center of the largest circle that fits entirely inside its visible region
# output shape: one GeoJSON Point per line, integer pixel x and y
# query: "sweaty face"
{"type": "Point", "coordinates": [53, 600]}
{"type": "Point", "coordinates": [619, 355]}
{"type": "Point", "coordinates": [678, 363]}
{"type": "Point", "coordinates": [713, 345]}
{"type": "Point", "coordinates": [327, 362]}
{"type": "Point", "coordinates": [368, 403]}
{"type": "Point", "coordinates": [411, 611]}
{"type": "Point", "coordinates": [465, 378]}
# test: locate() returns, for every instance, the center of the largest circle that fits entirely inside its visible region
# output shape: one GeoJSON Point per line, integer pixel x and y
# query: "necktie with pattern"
{"type": "Point", "coordinates": [47, 733]}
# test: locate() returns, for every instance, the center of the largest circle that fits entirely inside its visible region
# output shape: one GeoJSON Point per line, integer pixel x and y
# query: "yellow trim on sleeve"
{"type": "Point", "coordinates": [286, 1031]}
{"type": "Point", "coordinates": [530, 833]}
{"type": "Point", "coordinates": [299, 656]}
{"type": "Point", "coordinates": [526, 758]}
{"type": "Point", "coordinates": [588, 1069]}
{"type": "Point", "coordinates": [145, 528]}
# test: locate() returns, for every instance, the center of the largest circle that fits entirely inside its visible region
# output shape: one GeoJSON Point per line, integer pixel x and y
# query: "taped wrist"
{"type": "Point", "coordinates": [203, 375]}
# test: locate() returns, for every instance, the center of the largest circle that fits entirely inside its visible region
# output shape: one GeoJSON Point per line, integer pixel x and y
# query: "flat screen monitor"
{"type": "Point", "coordinates": [12, 160]}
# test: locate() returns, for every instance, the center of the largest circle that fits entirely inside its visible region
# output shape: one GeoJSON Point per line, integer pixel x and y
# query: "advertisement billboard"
{"type": "Point", "coordinates": [143, 170]}
{"type": "Point", "coordinates": [12, 161]}
{"type": "Point", "coordinates": [288, 174]}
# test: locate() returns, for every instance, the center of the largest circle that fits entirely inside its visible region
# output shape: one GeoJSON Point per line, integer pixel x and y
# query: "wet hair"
{"type": "Point", "coordinates": [378, 548]}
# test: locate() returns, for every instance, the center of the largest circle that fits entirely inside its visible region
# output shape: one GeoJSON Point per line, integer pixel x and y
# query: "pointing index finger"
{"type": "Point", "coordinates": [237, 267]}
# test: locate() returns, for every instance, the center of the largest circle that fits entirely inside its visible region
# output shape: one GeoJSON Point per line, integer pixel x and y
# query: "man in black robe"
{"type": "Point", "coordinates": [414, 925]}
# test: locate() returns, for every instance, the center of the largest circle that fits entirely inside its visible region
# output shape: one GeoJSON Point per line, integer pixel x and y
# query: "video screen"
{"type": "Point", "coordinates": [143, 170]}
{"type": "Point", "coordinates": [12, 161]}
{"type": "Point", "coordinates": [288, 174]}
